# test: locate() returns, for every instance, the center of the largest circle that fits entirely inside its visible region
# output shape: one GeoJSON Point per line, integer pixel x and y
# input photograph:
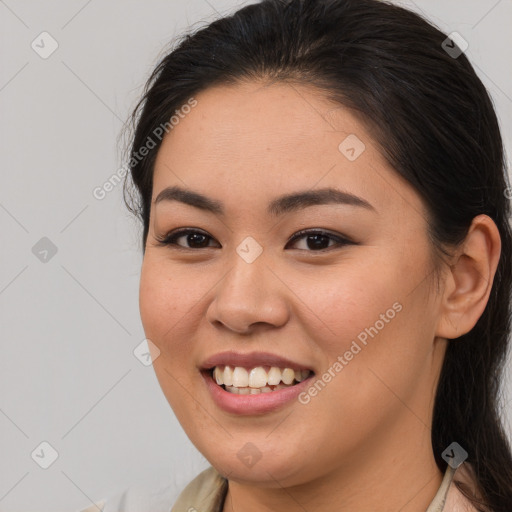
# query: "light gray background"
{"type": "Point", "coordinates": [69, 326]}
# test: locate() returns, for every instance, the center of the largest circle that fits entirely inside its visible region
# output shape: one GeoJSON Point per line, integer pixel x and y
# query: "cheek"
{"type": "Point", "coordinates": [342, 302]}
{"type": "Point", "coordinates": [363, 317]}
{"type": "Point", "coordinates": [166, 302]}
{"type": "Point", "coordinates": [167, 297]}
{"type": "Point", "coordinates": [373, 327]}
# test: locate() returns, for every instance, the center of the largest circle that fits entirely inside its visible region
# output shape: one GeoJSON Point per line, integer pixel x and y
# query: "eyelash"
{"type": "Point", "coordinates": [170, 239]}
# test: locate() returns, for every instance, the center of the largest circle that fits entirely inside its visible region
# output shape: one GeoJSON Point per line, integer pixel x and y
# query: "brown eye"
{"type": "Point", "coordinates": [319, 240]}
{"type": "Point", "coordinates": [316, 240]}
{"type": "Point", "coordinates": [194, 238]}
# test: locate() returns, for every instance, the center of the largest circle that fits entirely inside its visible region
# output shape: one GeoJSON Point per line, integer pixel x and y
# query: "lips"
{"type": "Point", "coordinates": [248, 383]}
{"type": "Point", "coordinates": [251, 360]}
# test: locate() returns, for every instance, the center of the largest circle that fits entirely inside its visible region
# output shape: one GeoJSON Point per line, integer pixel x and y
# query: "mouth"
{"type": "Point", "coordinates": [240, 380]}
{"type": "Point", "coordinates": [254, 384]}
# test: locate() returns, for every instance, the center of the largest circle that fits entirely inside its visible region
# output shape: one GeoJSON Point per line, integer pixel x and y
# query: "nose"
{"type": "Point", "coordinates": [249, 296]}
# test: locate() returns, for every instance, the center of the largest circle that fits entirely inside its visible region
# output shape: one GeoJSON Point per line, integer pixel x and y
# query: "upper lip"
{"type": "Point", "coordinates": [250, 360]}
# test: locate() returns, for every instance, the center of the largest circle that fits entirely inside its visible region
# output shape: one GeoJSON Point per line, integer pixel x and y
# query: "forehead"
{"type": "Point", "coordinates": [278, 115]}
{"type": "Point", "coordinates": [260, 139]}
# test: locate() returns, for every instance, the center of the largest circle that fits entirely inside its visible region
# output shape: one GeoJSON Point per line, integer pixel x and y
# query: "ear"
{"type": "Point", "coordinates": [469, 279]}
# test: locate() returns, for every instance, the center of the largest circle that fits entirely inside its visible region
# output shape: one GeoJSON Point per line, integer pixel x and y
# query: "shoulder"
{"type": "Point", "coordinates": [156, 498]}
{"type": "Point", "coordinates": [464, 482]}
{"type": "Point", "coordinates": [205, 492]}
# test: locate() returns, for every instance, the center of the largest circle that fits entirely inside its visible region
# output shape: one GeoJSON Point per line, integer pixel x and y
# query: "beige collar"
{"type": "Point", "coordinates": [206, 493]}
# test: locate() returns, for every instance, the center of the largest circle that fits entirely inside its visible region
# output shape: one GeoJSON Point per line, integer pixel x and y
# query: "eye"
{"type": "Point", "coordinates": [315, 240]}
{"type": "Point", "coordinates": [197, 239]}
{"type": "Point", "coordinates": [318, 240]}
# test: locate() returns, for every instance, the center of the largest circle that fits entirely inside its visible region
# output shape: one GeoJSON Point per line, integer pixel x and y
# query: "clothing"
{"type": "Point", "coordinates": [206, 493]}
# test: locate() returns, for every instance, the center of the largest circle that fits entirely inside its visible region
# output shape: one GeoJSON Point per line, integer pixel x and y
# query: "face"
{"type": "Point", "coordinates": [329, 293]}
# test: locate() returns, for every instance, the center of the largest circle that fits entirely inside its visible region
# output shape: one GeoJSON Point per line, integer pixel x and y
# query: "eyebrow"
{"type": "Point", "coordinates": [279, 206]}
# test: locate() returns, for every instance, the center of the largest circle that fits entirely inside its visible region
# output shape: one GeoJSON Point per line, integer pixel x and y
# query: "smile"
{"type": "Point", "coordinates": [253, 381]}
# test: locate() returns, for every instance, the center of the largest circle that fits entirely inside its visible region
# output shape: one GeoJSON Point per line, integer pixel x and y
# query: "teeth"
{"type": "Point", "coordinates": [257, 377]}
{"type": "Point", "coordinates": [228, 376]}
{"type": "Point", "coordinates": [217, 375]}
{"type": "Point", "coordinates": [288, 376]}
{"type": "Point", "coordinates": [274, 376]}
{"type": "Point", "coordinates": [240, 377]}
{"type": "Point", "coordinates": [253, 381]}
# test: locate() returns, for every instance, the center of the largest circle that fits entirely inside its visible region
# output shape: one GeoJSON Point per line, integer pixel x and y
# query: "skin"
{"type": "Point", "coordinates": [363, 443]}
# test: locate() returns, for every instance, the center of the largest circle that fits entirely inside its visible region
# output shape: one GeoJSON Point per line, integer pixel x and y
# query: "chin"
{"type": "Point", "coordinates": [271, 467]}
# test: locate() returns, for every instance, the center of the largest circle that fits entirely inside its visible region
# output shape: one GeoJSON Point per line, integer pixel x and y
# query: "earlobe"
{"type": "Point", "coordinates": [469, 279]}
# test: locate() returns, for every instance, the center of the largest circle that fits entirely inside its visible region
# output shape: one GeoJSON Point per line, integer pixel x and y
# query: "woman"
{"type": "Point", "coordinates": [326, 276]}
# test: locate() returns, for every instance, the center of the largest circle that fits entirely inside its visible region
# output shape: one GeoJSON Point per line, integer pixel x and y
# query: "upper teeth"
{"type": "Point", "coordinates": [258, 377]}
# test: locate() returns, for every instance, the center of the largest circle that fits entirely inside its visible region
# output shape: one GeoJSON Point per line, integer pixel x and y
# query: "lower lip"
{"type": "Point", "coordinates": [253, 404]}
